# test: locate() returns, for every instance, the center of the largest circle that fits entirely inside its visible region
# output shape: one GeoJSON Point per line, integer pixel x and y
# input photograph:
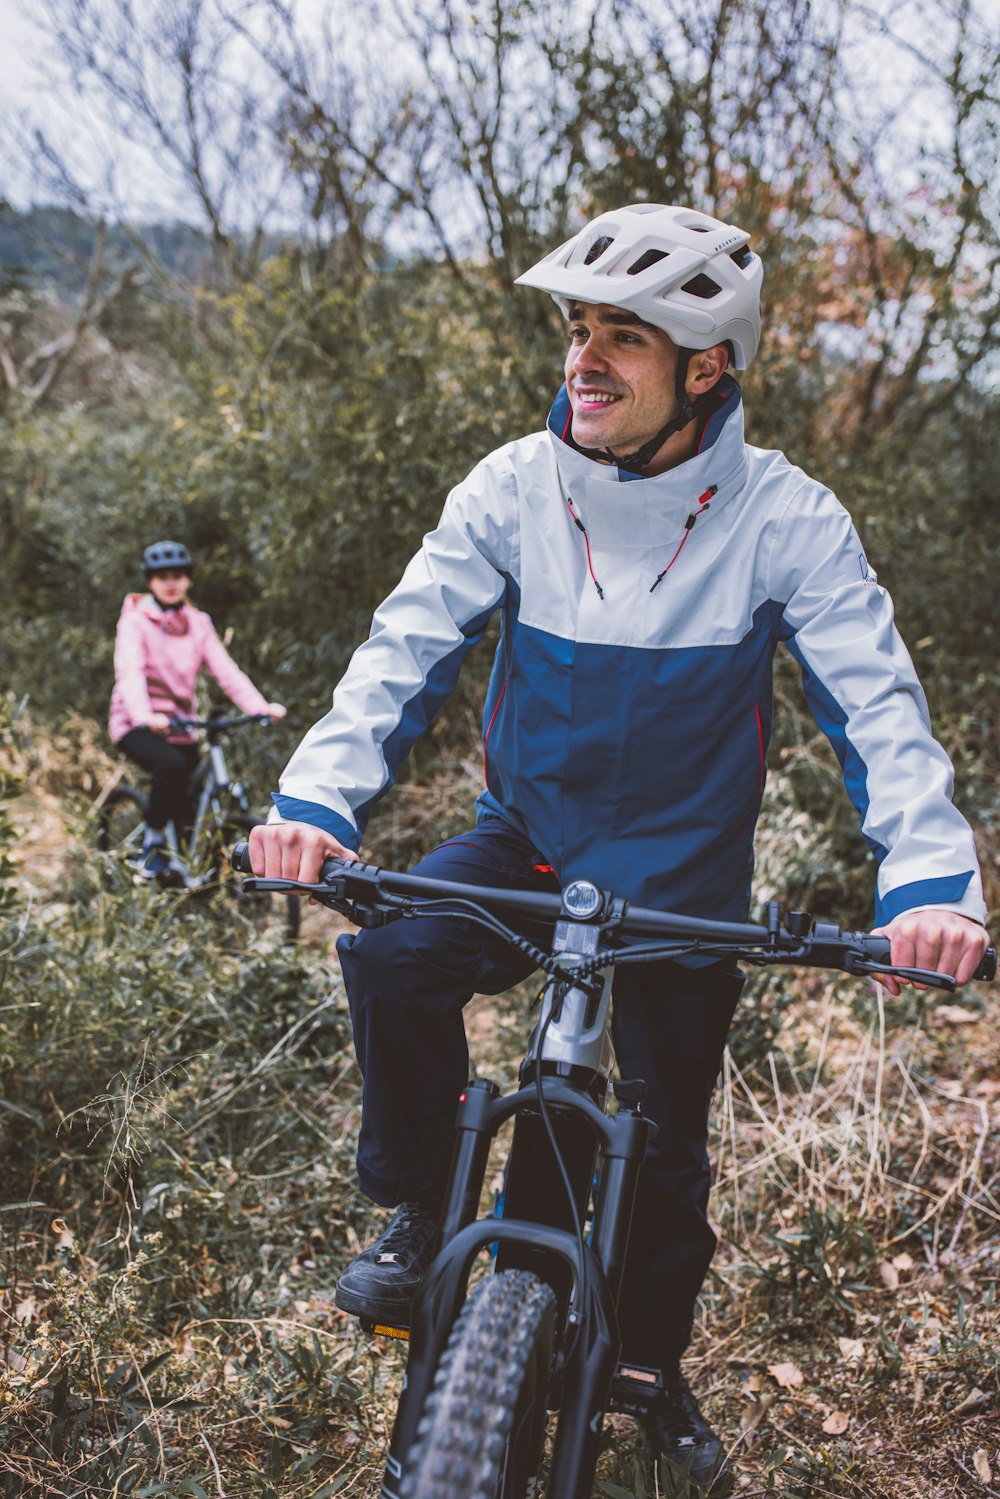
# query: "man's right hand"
{"type": "Point", "coordinates": [293, 851]}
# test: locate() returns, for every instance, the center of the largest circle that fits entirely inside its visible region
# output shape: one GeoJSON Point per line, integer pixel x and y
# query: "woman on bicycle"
{"type": "Point", "coordinates": [161, 645]}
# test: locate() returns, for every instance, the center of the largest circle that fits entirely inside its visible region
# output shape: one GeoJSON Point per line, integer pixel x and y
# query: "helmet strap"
{"type": "Point", "coordinates": [638, 460]}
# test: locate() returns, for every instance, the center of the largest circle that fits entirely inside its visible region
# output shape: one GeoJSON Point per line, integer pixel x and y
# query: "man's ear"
{"type": "Point", "coordinates": [706, 368]}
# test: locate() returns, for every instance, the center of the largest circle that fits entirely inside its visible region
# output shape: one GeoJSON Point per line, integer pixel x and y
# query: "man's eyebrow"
{"type": "Point", "coordinates": [617, 317]}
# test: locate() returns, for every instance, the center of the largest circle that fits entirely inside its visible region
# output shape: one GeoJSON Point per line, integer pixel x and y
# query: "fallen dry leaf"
{"type": "Point", "coordinates": [973, 1400]}
{"type": "Point", "coordinates": [903, 1261]}
{"type": "Point", "coordinates": [756, 1410]}
{"type": "Point", "coordinates": [63, 1233]}
{"type": "Point", "coordinates": [889, 1275]}
{"type": "Point", "coordinates": [25, 1311]}
{"type": "Point", "coordinates": [836, 1423]}
{"type": "Point", "coordinates": [955, 1015]}
{"type": "Point", "coordinates": [981, 1463]}
{"type": "Point", "coordinates": [787, 1375]}
{"type": "Point", "coordinates": [988, 1088]}
{"type": "Point", "coordinates": [851, 1349]}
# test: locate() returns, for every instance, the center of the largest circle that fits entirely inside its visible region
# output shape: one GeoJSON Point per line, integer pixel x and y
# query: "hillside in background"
{"type": "Point", "coordinates": [50, 247]}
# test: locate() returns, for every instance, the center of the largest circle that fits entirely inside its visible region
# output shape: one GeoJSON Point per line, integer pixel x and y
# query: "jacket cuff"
{"type": "Point", "coordinates": [947, 892]}
{"type": "Point", "coordinates": [293, 809]}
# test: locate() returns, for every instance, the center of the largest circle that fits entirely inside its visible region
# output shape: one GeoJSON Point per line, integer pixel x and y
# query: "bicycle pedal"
{"type": "Point", "coordinates": [384, 1329]}
{"type": "Point", "coordinates": [634, 1389]}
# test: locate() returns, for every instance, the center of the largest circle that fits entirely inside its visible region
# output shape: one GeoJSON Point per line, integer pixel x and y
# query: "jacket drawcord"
{"type": "Point", "coordinates": [586, 541]}
{"type": "Point", "coordinates": [703, 500]}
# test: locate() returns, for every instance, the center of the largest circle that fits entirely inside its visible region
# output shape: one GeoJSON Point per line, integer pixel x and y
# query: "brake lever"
{"type": "Point", "coordinates": [329, 893]}
{"type": "Point", "coordinates": [927, 976]}
{"type": "Point", "coordinates": [258, 884]}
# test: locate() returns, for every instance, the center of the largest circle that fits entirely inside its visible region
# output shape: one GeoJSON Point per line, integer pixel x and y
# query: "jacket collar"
{"type": "Point", "coordinates": [626, 510]}
{"type": "Point", "coordinates": [147, 604]}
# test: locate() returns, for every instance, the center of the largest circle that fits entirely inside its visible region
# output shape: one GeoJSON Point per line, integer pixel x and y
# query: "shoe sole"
{"type": "Point", "coordinates": [395, 1311]}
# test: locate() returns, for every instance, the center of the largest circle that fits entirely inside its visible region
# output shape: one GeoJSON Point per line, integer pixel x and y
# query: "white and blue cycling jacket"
{"type": "Point", "coordinates": [629, 708]}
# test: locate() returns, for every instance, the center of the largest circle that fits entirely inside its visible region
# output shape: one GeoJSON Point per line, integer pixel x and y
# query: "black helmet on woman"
{"type": "Point", "coordinates": [166, 554]}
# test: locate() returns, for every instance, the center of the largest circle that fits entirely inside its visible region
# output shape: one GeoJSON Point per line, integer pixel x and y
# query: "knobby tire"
{"type": "Point", "coordinates": [121, 815]}
{"type": "Point", "coordinates": [482, 1429]}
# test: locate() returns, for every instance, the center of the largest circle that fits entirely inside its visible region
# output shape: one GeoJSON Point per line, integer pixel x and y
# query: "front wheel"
{"type": "Point", "coordinates": [482, 1429]}
{"type": "Point", "coordinates": [121, 821]}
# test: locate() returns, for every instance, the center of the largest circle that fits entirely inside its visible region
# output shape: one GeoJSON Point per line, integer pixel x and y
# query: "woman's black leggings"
{"type": "Point", "coordinates": [170, 766]}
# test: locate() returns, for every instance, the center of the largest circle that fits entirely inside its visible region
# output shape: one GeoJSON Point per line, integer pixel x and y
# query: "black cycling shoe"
{"type": "Point", "coordinates": [381, 1282]}
{"type": "Point", "coordinates": [689, 1453]}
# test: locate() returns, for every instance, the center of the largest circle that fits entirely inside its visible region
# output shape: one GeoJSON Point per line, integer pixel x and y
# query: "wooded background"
{"type": "Point", "coordinates": [261, 301]}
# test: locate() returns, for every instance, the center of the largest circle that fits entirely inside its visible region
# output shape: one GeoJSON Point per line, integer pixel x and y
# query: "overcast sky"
{"type": "Point", "coordinates": [144, 187]}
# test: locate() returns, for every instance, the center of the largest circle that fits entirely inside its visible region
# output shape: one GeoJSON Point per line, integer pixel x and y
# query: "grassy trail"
{"type": "Point", "coordinates": [178, 1110]}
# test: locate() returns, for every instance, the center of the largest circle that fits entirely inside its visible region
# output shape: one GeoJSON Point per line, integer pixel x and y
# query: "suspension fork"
{"type": "Point", "coordinates": [594, 1349]}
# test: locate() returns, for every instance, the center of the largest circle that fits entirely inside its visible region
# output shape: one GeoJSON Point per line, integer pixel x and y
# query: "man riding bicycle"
{"type": "Point", "coordinates": [161, 645]}
{"type": "Point", "coordinates": [646, 561]}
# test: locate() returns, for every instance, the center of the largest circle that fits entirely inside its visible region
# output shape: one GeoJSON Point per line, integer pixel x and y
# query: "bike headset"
{"type": "Point", "coordinates": [166, 554]}
{"type": "Point", "coordinates": [683, 271]}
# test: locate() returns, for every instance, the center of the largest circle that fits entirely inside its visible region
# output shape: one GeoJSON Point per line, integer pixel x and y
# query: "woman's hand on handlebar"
{"type": "Point", "coordinates": [276, 711]}
{"type": "Point", "coordinates": [293, 851]}
{"type": "Point", "coordinates": [159, 723]}
{"type": "Point", "coordinates": [944, 941]}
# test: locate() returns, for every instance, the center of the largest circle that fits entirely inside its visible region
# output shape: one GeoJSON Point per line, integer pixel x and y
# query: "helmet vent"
{"type": "Point", "coordinates": [702, 286]}
{"type": "Point", "coordinates": [597, 249]}
{"type": "Point", "coordinates": [742, 257]}
{"type": "Point", "coordinates": [651, 257]}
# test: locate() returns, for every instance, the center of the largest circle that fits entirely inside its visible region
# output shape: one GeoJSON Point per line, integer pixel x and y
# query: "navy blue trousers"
{"type": "Point", "coordinates": [407, 984]}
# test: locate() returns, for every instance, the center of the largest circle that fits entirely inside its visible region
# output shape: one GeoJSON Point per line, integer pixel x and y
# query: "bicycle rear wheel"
{"type": "Point", "coordinates": [120, 821]}
{"type": "Point", "coordinates": [481, 1432]}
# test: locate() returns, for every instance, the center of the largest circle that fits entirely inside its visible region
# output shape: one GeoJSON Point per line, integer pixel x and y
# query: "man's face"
{"type": "Point", "coordinates": [620, 377]}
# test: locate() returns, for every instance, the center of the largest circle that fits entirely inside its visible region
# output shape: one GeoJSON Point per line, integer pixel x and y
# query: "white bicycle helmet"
{"type": "Point", "coordinates": [681, 270]}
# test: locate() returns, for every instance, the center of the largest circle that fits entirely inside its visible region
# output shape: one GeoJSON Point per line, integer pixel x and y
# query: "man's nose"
{"type": "Point", "coordinates": [590, 356]}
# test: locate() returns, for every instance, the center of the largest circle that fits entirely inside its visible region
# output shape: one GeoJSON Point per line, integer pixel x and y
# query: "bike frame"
{"type": "Point", "coordinates": [217, 795]}
{"type": "Point", "coordinates": [565, 1075]}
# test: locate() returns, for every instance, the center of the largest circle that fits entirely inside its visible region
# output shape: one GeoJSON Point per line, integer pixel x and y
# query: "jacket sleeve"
{"type": "Point", "coordinates": [398, 679]}
{"type": "Point", "coordinates": [235, 683]}
{"type": "Point", "coordinates": [130, 667]}
{"type": "Point", "coordinates": [863, 692]}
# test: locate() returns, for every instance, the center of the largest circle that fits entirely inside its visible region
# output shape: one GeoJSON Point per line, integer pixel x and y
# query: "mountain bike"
{"type": "Point", "coordinates": [540, 1334]}
{"type": "Point", "coordinates": [220, 812]}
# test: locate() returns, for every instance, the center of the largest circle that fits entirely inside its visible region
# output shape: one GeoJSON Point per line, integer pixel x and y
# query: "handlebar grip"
{"type": "Point", "coordinates": [876, 950]}
{"type": "Point", "coordinates": [240, 857]}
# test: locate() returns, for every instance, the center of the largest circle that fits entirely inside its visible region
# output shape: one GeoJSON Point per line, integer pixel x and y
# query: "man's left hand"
{"type": "Point", "coordinates": [941, 940]}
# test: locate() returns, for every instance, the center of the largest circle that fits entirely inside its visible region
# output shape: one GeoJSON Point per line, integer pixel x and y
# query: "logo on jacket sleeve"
{"type": "Point", "coordinates": [868, 578]}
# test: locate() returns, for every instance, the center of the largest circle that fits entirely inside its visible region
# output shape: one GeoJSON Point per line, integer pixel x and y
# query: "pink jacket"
{"type": "Point", "coordinates": [158, 655]}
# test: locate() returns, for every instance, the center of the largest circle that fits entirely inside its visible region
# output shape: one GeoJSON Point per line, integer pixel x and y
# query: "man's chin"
{"type": "Point", "coordinates": [603, 437]}
{"type": "Point", "coordinates": [588, 433]}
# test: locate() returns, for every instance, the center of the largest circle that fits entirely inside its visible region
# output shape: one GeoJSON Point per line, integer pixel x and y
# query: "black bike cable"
{"type": "Point", "coordinates": [456, 907]}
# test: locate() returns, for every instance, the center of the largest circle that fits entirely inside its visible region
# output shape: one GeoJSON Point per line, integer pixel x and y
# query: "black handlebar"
{"type": "Point", "coordinates": [217, 723]}
{"type": "Point", "coordinates": [371, 894]}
